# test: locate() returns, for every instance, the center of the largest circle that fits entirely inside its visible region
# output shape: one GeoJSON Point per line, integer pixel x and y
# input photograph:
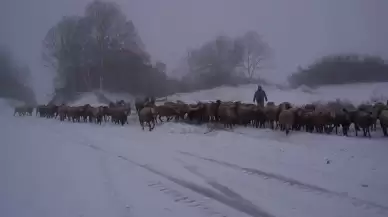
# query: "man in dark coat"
{"type": "Point", "coordinates": [260, 96]}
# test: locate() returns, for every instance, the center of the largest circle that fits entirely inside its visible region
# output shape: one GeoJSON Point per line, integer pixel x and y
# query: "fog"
{"type": "Point", "coordinates": [297, 31]}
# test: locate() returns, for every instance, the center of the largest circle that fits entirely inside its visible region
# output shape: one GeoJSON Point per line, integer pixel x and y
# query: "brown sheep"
{"type": "Point", "coordinates": [95, 114]}
{"type": "Point", "coordinates": [197, 112]}
{"type": "Point", "coordinates": [342, 118]}
{"type": "Point", "coordinates": [211, 111]}
{"type": "Point", "coordinates": [166, 111]}
{"type": "Point", "coordinates": [307, 120]}
{"type": "Point", "coordinates": [21, 110]}
{"type": "Point", "coordinates": [322, 119]}
{"type": "Point", "coordinates": [383, 117]}
{"type": "Point", "coordinates": [260, 117]}
{"type": "Point", "coordinates": [364, 120]}
{"type": "Point", "coordinates": [119, 115]}
{"type": "Point", "coordinates": [286, 120]}
{"type": "Point", "coordinates": [227, 113]}
{"type": "Point", "coordinates": [298, 120]}
{"type": "Point", "coordinates": [29, 110]}
{"type": "Point", "coordinates": [62, 112]}
{"type": "Point", "coordinates": [271, 112]}
{"type": "Point", "coordinates": [180, 107]}
{"type": "Point", "coordinates": [282, 106]}
{"type": "Point", "coordinates": [147, 115]}
{"type": "Point", "coordinates": [182, 110]}
{"type": "Point", "coordinates": [74, 113]}
{"type": "Point", "coordinates": [246, 114]}
{"type": "Point", "coordinates": [376, 110]}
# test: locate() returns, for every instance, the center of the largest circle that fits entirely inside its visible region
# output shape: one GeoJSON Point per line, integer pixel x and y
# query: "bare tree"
{"type": "Point", "coordinates": [256, 51]}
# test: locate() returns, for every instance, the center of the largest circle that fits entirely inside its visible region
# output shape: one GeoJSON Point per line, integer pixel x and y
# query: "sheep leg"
{"type": "Point", "coordinates": [141, 124]}
{"type": "Point", "coordinates": [149, 125]}
{"type": "Point", "coordinates": [384, 128]}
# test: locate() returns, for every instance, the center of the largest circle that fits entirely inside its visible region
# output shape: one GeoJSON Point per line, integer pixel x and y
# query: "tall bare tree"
{"type": "Point", "coordinates": [100, 48]}
{"type": "Point", "coordinates": [256, 51]}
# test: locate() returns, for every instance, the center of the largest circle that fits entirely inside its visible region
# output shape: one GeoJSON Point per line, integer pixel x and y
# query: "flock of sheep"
{"type": "Point", "coordinates": [315, 117]}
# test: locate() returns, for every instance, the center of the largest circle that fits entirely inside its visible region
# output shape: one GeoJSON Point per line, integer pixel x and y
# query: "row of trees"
{"type": "Point", "coordinates": [226, 60]}
{"type": "Point", "coordinates": [103, 49]}
{"type": "Point", "coordinates": [14, 78]}
{"type": "Point", "coordinates": [341, 69]}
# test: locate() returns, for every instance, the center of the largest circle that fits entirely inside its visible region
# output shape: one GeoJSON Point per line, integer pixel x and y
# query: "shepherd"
{"type": "Point", "coordinates": [260, 96]}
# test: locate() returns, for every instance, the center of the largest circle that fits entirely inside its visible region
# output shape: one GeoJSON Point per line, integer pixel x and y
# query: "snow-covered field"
{"type": "Point", "coordinates": [51, 168]}
{"type": "Point", "coordinates": [356, 93]}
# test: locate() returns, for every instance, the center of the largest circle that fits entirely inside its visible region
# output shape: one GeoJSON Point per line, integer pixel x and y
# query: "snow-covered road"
{"type": "Point", "coordinates": [51, 168]}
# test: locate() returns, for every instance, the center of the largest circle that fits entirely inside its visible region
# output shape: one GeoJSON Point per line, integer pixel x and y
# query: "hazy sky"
{"type": "Point", "coordinates": [298, 31]}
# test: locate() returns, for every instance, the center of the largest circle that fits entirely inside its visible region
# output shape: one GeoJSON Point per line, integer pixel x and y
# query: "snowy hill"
{"type": "Point", "coordinates": [53, 168]}
{"type": "Point", "coordinates": [356, 93]}
{"type": "Point", "coordinates": [100, 99]}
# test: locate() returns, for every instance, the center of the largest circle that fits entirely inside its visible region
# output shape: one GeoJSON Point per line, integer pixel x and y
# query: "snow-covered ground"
{"type": "Point", "coordinates": [356, 93]}
{"type": "Point", "coordinates": [52, 168]}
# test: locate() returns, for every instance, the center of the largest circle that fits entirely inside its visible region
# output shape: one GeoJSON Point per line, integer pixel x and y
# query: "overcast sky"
{"type": "Point", "coordinates": [298, 31]}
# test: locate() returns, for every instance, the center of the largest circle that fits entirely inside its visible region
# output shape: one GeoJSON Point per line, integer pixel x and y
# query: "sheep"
{"type": "Point", "coordinates": [270, 111]}
{"type": "Point", "coordinates": [383, 117]}
{"type": "Point", "coordinates": [21, 111]}
{"type": "Point", "coordinates": [322, 119]}
{"type": "Point", "coordinates": [147, 115]}
{"type": "Point", "coordinates": [62, 112]}
{"type": "Point", "coordinates": [246, 114]}
{"type": "Point", "coordinates": [119, 115]}
{"type": "Point", "coordinates": [286, 120]}
{"type": "Point", "coordinates": [228, 114]}
{"type": "Point", "coordinates": [342, 118]}
{"type": "Point", "coordinates": [165, 111]}
{"type": "Point", "coordinates": [363, 120]}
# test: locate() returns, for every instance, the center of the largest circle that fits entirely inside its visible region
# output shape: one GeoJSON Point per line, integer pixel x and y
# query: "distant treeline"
{"type": "Point", "coordinates": [102, 49]}
{"type": "Point", "coordinates": [341, 69]}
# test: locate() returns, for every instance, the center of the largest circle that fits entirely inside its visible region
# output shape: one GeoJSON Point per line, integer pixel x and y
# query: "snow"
{"type": "Point", "coordinates": [87, 98]}
{"type": "Point", "coordinates": [53, 168]}
{"type": "Point", "coordinates": [119, 96]}
{"type": "Point", "coordinates": [100, 99]}
{"type": "Point", "coordinates": [6, 105]}
{"type": "Point", "coordinates": [356, 93]}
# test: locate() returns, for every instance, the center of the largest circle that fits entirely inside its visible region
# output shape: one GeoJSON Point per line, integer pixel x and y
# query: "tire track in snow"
{"type": "Point", "coordinates": [221, 188]}
{"type": "Point", "coordinates": [239, 205]}
{"type": "Point", "coordinates": [292, 182]}
{"type": "Point", "coordinates": [179, 197]}
{"type": "Point", "coordinates": [109, 185]}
